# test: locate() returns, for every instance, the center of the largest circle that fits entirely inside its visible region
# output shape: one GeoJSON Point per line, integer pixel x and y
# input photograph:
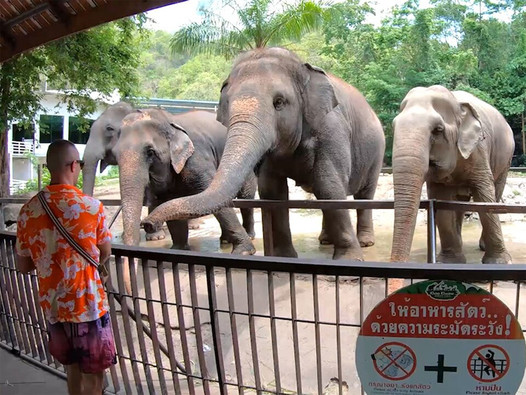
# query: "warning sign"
{"type": "Point", "coordinates": [394, 361]}
{"type": "Point", "coordinates": [488, 363]}
{"type": "Point", "coordinates": [441, 337]}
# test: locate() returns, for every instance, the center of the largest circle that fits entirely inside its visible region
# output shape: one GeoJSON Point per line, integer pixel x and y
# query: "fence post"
{"type": "Point", "coordinates": [431, 232]}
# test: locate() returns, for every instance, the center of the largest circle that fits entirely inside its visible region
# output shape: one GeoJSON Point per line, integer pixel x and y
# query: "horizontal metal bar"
{"type": "Point", "coordinates": [346, 204]}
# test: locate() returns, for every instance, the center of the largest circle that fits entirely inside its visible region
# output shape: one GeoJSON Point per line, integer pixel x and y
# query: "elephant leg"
{"type": "Point", "coordinates": [500, 184]}
{"type": "Point", "coordinates": [338, 222]}
{"type": "Point", "coordinates": [157, 235]}
{"type": "Point", "coordinates": [248, 221]}
{"type": "Point", "coordinates": [365, 228]}
{"type": "Point", "coordinates": [275, 187]}
{"type": "Point", "coordinates": [449, 225]}
{"type": "Point", "coordinates": [233, 231]}
{"type": "Point", "coordinates": [484, 190]}
{"type": "Point", "coordinates": [248, 191]}
{"type": "Point", "coordinates": [179, 232]}
{"type": "Point", "coordinates": [324, 235]}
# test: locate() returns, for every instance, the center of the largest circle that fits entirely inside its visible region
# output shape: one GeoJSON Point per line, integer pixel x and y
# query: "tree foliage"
{"type": "Point", "coordinates": [101, 60]}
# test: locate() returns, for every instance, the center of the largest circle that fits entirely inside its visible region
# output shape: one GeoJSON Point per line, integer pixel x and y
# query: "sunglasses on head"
{"type": "Point", "coordinates": [80, 162]}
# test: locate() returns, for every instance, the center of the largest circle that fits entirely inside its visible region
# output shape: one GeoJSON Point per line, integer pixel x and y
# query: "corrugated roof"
{"type": "Point", "coordinates": [26, 24]}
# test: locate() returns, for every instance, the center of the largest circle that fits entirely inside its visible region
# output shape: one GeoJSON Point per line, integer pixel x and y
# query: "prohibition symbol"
{"type": "Point", "coordinates": [394, 361]}
{"type": "Point", "coordinates": [488, 363]}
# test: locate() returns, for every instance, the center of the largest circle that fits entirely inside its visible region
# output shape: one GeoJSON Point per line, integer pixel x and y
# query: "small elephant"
{"type": "Point", "coordinates": [104, 134]}
{"type": "Point", "coordinates": [461, 147]}
{"type": "Point", "coordinates": [288, 119]}
{"type": "Point", "coordinates": [172, 156]}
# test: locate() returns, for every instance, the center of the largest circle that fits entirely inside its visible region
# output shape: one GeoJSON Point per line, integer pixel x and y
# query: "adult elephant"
{"type": "Point", "coordinates": [170, 156]}
{"type": "Point", "coordinates": [289, 119]}
{"type": "Point", "coordinates": [462, 147]}
{"type": "Point", "coordinates": [103, 136]}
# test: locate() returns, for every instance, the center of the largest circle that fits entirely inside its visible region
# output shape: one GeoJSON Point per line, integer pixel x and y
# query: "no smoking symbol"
{"type": "Point", "coordinates": [394, 361]}
{"type": "Point", "coordinates": [488, 363]}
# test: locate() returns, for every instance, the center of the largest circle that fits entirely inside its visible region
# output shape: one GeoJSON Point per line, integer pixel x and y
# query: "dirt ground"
{"type": "Point", "coordinates": [306, 225]}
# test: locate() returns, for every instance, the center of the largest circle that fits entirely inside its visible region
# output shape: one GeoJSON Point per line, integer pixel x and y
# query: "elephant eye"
{"type": "Point", "coordinates": [438, 129]}
{"type": "Point", "coordinates": [279, 103]}
{"type": "Point", "coordinates": [150, 152]}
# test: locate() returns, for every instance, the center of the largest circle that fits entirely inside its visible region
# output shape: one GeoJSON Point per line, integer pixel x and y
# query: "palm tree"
{"type": "Point", "coordinates": [260, 25]}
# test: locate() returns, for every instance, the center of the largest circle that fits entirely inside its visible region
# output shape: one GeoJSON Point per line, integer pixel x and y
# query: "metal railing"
{"type": "Point", "coordinates": [218, 323]}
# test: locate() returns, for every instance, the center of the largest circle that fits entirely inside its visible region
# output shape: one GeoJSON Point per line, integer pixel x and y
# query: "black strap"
{"type": "Point", "coordinates": [64, 232]}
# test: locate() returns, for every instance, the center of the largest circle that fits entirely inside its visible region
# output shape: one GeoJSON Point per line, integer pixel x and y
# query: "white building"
{"type": "Point", "coordinates": [52, 123]}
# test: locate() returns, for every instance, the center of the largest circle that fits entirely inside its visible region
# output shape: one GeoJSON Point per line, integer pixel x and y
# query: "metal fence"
{"type": "Point", "coordinates": [217, 323]}
{"type": "Point", "coordinates": [212, 323]}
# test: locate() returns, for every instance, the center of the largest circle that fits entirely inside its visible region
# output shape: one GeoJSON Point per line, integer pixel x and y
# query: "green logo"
{"type": "Point", "coordinates": [442, 290]}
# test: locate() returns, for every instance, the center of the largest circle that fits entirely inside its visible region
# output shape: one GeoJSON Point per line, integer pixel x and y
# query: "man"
{"type": "Point", "coordinates": [71, 292]}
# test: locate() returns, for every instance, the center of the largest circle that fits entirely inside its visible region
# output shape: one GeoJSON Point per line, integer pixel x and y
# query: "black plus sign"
{"type": "Point", "coordinates": [440, 368]}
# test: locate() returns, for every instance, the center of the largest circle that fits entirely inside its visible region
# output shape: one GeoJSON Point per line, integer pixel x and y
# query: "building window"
{"type": "Point", "coordinates": [51, 128]}
{"type": "Point", "coordinates": [21, 132]}
{"type": "Point", "coordinates": [79, 129]}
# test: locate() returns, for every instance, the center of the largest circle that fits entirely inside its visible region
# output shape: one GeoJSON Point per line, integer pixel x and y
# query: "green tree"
{"type": "Point", "coordinates": [260, 25]}
{"type": "Point", "coordinates": [101, 59]}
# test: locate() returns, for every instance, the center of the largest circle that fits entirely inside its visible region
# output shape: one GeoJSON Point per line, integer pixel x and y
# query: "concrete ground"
{"type": "Point", "coordinates": [19, 377]}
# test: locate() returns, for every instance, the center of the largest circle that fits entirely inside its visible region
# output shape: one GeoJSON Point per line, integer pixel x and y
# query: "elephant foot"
{"type": "Point", "coordinates": [194, 223]}
{"type": "Point", "coordinates": [159, 235]}
{"type": "Point", "coordinates": [482, 245]}
{"type": "Point", "coordinates": [244, 248]}
{"type": "Point", "coordinates": [324, 238]}
{"type": "Point", "coordinates": [285, 251]}
{"type": "Point", "coordinates": [180, 246]}
{"type": "Point", "coordinates": [451, 257]}
{"type": "Point", "coordinates": [503, 258]}
{"type": "Point", "coordinates": [251, 234]}
{"type": "Point", "coordinates": [351, 253]}
{"type": "Point", "coordinates": [366, 238]}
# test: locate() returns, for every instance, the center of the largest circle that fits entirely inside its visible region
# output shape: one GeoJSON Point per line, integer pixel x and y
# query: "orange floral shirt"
{"type": "Point", "coordinates": [70, 288]}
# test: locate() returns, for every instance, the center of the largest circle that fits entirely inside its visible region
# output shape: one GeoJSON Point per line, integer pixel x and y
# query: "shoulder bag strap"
{"type": "Point", "coordinates": [64, 232]}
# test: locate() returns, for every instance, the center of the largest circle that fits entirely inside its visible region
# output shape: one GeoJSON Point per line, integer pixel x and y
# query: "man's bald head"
{"type": "Point", "coordinates": [59, 154]}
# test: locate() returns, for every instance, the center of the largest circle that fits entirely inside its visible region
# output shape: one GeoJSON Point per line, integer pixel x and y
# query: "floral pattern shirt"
{"type": "Point", "coordinates": [70, 288]}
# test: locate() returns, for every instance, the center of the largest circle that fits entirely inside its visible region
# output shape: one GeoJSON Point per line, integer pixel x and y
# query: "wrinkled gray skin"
{"type": "Point", "coordinates": [462, 147]}
{"type": "Point", "coordinates": [103, 136]}
{"type": "Point", "coordinates": [171, 156]}
{"type": "Point", "coordinates": [289, 119]}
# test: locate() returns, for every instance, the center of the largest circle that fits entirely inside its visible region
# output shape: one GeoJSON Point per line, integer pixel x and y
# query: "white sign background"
{"type": "Point", "coordinates": [456, 353]}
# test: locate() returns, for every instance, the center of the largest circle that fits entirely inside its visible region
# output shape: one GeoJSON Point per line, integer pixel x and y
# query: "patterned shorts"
{"type": "Point", "coordinates": [90, 344]}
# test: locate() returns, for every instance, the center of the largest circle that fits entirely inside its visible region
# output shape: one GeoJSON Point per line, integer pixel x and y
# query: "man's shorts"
{"type": "Point", "coordinates": [90, 344]}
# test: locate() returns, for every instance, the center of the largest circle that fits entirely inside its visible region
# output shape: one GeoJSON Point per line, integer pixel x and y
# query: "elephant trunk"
{"type": "Point", "coordinates": [245, 146]}
{"type": "Point", "coordinates": [410, 167]}
{"type": "Point", "coordinates": [91, 158]}
{"type": "Point", "coordinates": [133, 178]}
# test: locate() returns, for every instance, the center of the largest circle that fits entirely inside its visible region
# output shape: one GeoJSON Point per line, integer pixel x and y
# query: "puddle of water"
{"type": "Point", "coordinates": [306, 225]}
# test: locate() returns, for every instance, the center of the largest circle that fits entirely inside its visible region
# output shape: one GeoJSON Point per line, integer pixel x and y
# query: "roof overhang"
{"type": "Point", "coordinates": [26, 24]}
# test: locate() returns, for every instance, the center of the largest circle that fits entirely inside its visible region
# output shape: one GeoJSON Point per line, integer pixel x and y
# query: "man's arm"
{"type": "Point", "coordinates": [105, 252]}
{"type": "Point", "coordinates": [24, 264]}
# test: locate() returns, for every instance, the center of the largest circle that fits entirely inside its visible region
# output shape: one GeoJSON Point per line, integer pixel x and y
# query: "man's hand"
{"type": "Point", "coordinates": [24, 264]}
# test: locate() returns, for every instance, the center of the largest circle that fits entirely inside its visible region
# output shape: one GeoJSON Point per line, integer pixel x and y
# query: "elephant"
{"type": "Point", "coordinates": [103, 136]}
{"type": "Point", "coordinates": [461, 147]}
{"type": "Point", "coordinates": [289, 119]}
{"type": "Point", "coordinates": [171, 156]}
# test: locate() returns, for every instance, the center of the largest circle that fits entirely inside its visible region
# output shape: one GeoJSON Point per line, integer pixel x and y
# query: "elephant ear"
{"type": "Point", "coordinates": [222, 107]}
{"type": "Point", "coordinates": [318, 95]}
{"type": "Point", "coordinates": [469, 131]}
{"type": "Point", "coordinates": [181, 147]}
